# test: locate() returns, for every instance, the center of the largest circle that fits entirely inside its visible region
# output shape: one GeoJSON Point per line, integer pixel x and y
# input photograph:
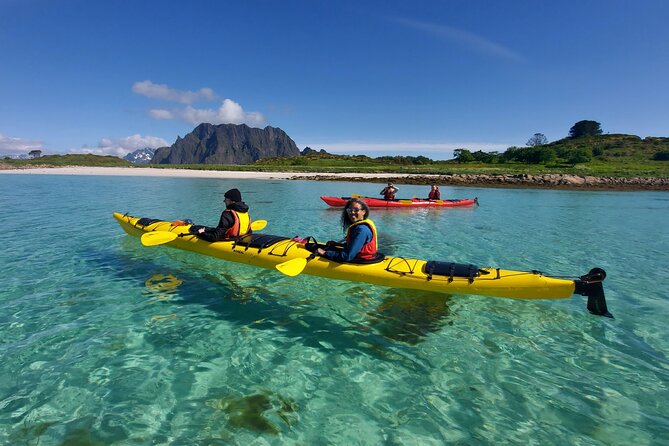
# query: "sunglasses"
{"type": "Point", "coordinates": [352, 210]}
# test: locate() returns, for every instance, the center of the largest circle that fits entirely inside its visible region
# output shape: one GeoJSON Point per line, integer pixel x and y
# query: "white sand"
{"type": "Point", "coordinates": [131, 171]}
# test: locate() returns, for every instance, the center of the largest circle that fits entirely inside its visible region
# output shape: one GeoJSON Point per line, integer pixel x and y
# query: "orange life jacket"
{"type": "Point", "coordinates": [369, 249]}
{"type": "Point", "coordinates": [241, 226]}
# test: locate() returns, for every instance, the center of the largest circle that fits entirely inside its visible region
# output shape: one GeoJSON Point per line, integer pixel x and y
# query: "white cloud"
{"type": "Point", "coordinates": [18, 146]}
{"type": "Point", "coordinates": [159, 113]}
{"type": "Point", "coordinates": [164, 92]}
{"type": "Point", "coordinates": [459, 36]}
{"type": "Point", "coordinates": [229, 112]}
{"type": "Point", "coordinates": [122, 146]}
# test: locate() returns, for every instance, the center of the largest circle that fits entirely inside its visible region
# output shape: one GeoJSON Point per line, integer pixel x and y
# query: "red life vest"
{"type": "Point", "coordinates": [369, 249]}
{"type": "Point", "coordinates": [434, 195]}
{"type": "Point", "coordinates": [241, 226]}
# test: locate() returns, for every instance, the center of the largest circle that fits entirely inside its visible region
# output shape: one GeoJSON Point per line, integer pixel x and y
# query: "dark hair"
{"type": "Point", "coordinates": [234, 195]}
{"type": "Point", "coordinates": [346, 218]}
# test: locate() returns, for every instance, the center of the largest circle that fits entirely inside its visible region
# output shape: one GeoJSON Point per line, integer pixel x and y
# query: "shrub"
{"type": "Point", "coordinates": [661, 156]}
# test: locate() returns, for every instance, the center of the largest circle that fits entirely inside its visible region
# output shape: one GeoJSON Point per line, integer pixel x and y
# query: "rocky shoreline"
{"type": "Point", "coordinates": [546, 181]}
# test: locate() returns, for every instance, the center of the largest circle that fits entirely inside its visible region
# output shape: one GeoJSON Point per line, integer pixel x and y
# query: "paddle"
{"type": "Point", "coordinates": [258, 225]}
{"type": "Point", "coordinates": [162, 237]}
{"type": "Point", "coordinates": [292, 267]}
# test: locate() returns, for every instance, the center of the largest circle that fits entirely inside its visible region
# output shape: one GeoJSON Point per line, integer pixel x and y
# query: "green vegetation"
{"type": "Point", "coordinates": [634, 163]}
{"type": "Point", "coordinates": [597, 155]}
{"type": "Point", "coordinates": [614, 155]}
{"type": "Point", "coordinates": [585, 128]}
{"type": "Point", "coordinates": [69, 160]}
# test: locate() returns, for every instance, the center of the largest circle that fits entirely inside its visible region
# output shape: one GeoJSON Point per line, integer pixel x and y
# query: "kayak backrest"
{"type": "Point", "coordinates": [147, 221]}
{"type": "Point", "coordinates": [260, 241]}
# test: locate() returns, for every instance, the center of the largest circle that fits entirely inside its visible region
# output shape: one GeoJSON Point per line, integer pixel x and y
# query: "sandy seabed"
{"type": "Point", "coordinates": [148, 172]}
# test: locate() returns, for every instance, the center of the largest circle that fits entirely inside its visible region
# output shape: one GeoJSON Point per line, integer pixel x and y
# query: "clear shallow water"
{"type": "Point", "coordinates": [98, 349]}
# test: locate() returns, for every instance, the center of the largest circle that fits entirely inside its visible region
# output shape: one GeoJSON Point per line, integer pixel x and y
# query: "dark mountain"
{"type": "Point", "coordinates": [309, 150]}
{"type": "Point", "coordinates": [140, 156]}
{"type": "Point", "coordinates": [227, 144]}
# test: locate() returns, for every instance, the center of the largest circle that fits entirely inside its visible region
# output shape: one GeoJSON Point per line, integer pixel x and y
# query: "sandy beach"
{"type": "Point", "coordinates": [130, 171]}
{"type": "Point", "coordinates": [544, 181]}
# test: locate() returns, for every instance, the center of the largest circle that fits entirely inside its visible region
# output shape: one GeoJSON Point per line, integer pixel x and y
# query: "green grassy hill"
{"type": "Point", "coordinates": [604, 155]}
{"type": "Point", "coordinates": [69, 160]}
{"type": "Point", "coordinates": [616, 147]}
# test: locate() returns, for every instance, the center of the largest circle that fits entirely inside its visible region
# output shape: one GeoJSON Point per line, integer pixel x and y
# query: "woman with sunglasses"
{"type": "Point", "coordinates": [361, 240]}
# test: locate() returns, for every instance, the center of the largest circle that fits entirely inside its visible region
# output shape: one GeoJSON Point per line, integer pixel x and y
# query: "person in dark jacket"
{"type": "Point", "coordinates": [361, 241]}
{"type": "Point", "coordinates": [235, 220]}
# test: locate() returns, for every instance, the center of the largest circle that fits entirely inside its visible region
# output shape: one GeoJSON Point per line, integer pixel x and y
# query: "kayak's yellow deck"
{"type": "Point", "coordinates": [396, 272]}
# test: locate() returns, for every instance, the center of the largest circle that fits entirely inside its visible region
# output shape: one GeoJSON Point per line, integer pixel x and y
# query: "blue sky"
{"type": "Point", "coordinates": [362, 77]}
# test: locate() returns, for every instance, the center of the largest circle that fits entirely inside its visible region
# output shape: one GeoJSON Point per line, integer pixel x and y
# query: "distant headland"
{"type": "Point", "coordinates": [585, 159]}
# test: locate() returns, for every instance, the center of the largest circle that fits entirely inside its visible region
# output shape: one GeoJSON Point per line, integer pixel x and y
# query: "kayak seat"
{"type": "Point", "coordinates": [451, 270]}
{"type": "Point", "coordinates": [311, 246]}
{"type": "Point", "coordinates": [147, 221]}
{"type": "Point", "coordinates": [260, 241]}
{"type": "Point", "coordinates": [377, 259]}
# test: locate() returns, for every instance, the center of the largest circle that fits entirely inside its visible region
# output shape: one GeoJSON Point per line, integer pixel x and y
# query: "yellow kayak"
{"type": "Point", "coordinates": [293, 257]}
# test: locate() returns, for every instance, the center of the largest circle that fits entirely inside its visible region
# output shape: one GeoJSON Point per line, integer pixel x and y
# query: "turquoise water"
{"type": "Point", "coordinates": [105, 341]}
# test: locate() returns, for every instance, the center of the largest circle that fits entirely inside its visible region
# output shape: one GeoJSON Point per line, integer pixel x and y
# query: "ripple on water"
{"type": "Point", "coordinates": [108, 342]}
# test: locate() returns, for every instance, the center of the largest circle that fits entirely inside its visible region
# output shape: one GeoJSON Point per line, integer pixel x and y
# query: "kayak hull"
{"type": "Point", "coordinates": [401, 203]}
{"type": "Point", "coordinates": [397, 272]}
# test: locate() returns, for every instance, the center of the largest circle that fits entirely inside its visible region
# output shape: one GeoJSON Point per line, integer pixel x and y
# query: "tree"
{"type": "Point", "coordinates": [35, 153]}
{"type": "Point", "coordinates": [585, 128]}
{"type": "Point", "coordinates": [421, 160]}
{"type": "Point", "coordinates": [579, 155]}
{"type": "Point", "coordinates": [463, 156]}
{"type": "Point", "coordinates": [538, 139]}
{"type": "Point", "coordinates": [510, 154]}
{"type": "Point", "coordinates": [530, 155]}
{"type": "Point", "coordinates": [484, 157]}
{"type": "Point", "coordinates": [543, 155]}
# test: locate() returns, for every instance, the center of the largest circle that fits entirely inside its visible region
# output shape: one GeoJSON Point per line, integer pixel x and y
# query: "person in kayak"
{"type": "Point", "coordinates": [361, 240]}
{"type": "Point", "coordinates": [434, 193]}
{"type": "Point", "coordinates": [389, 191]}
{"type": "Point", "coordinates": [235, 220]}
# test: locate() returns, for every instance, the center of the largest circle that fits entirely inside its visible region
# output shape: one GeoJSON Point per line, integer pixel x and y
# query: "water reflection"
{"type": "Point", "coordinates": [256, 412]}
{"type": "Point", "coordinates": [409, 316]}
{"type": "Point", "coordinates": [177, 288]}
